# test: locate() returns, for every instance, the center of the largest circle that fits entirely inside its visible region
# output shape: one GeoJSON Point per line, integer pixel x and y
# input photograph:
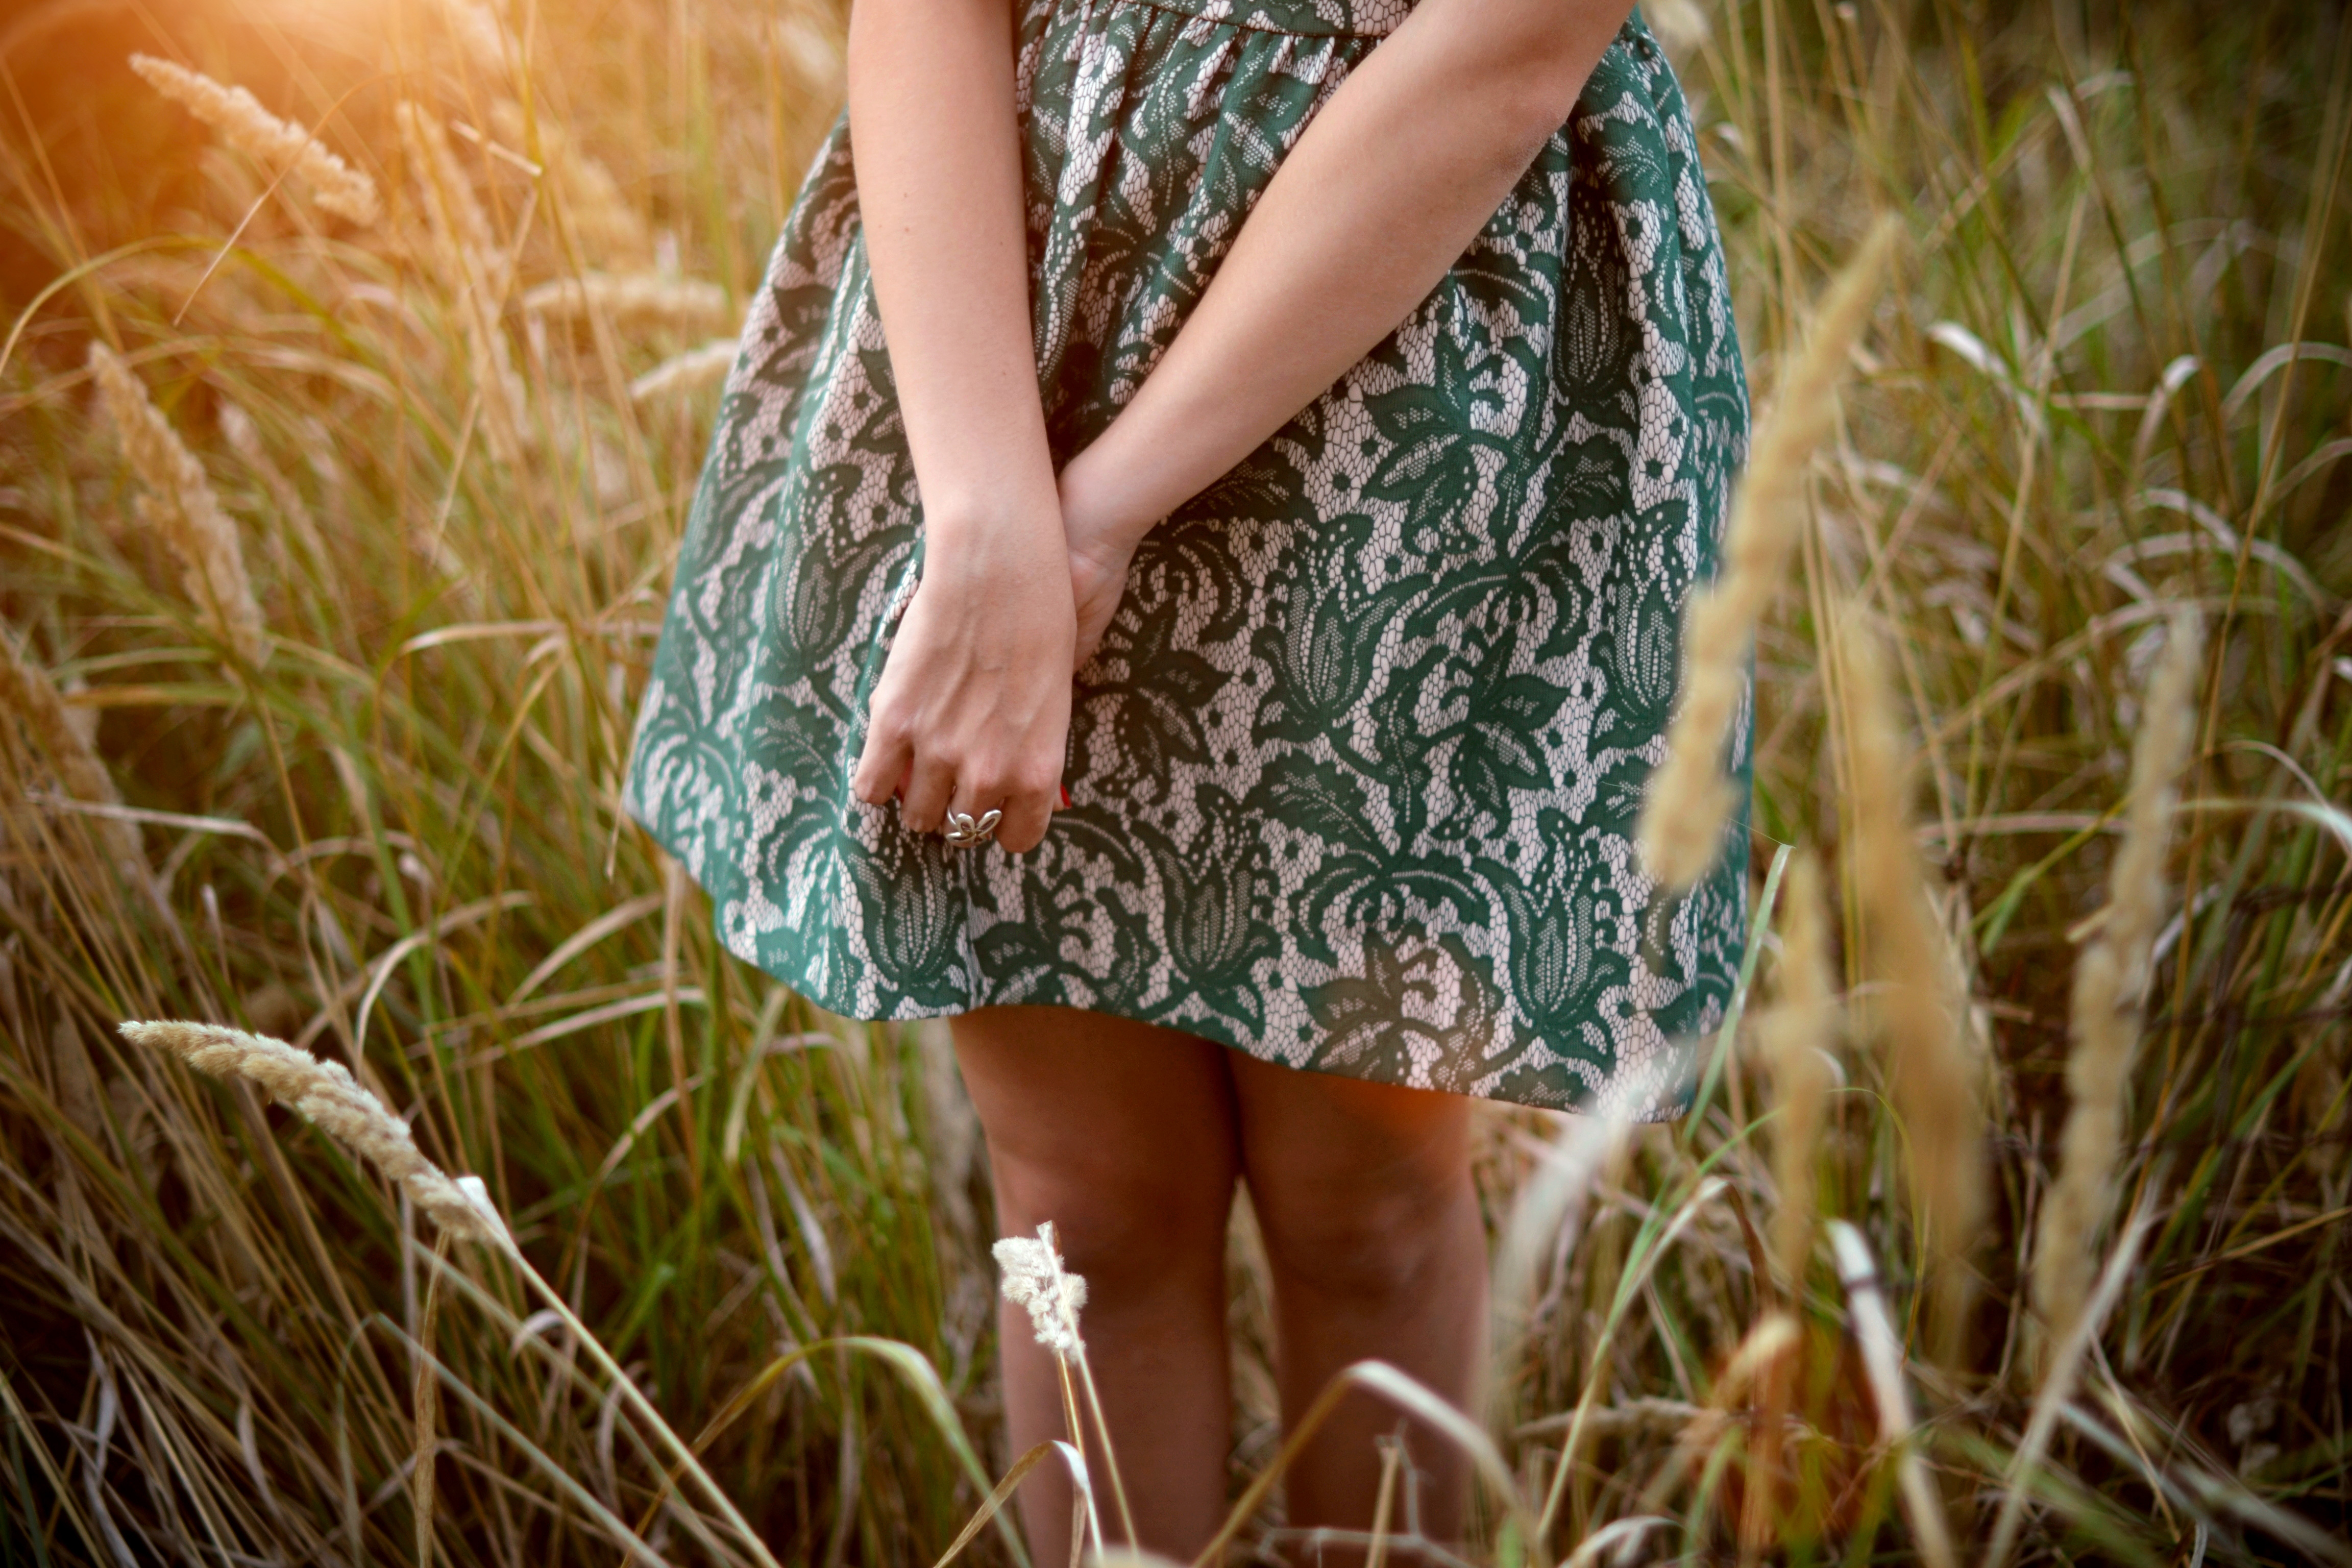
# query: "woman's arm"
{"type": "Point", "coordinates": [972, 707]}
{"type": "Point", "coordinates": [1381, 195]}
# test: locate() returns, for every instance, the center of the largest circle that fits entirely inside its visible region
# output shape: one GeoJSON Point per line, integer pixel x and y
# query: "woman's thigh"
{"type": "Point", "coordinates": [1348, 1173]}
{"type": "Point", "coordinates": [1117, 1131]}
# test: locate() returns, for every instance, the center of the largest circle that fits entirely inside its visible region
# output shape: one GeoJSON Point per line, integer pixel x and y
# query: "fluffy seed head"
{"type": "Point", "coordinates": [1920, 1009]}
{"type": "Point", "coordinates": [687, 372]}
{"type": "Point", "coordinates": [2111, 978]}
{"type": "Point", "coordinates": [1690, 800]}
{"type": "Point", "coordinates": [181, 506]}
{"type": "Point", "coordinates": [326, 1093]}
{"type": "Point", "coordinates": [642, 297]}
{"type": "Point", "coordinates": [278, 145]}
{"type": "Point", "coordinates": [1798, 1034]}
{"type": "Point", "coordinates": [1034, 1278]}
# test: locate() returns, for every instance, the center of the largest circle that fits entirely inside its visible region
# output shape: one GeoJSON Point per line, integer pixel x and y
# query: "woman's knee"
{"type": "Point", "coordinates": [1360, 1189]}
{"type": "Point", "coordinates": [1119, 1133]}
{"type": "Point", "coordinates": [1374, 1244]}
{"type": "Point", "coordinates": [1126, 1226]}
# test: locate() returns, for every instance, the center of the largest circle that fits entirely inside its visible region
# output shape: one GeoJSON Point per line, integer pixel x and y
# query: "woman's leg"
{"type": "Point", "coordinates": [1363, 1195]}
{"type": "Point", "coordinates": [1123, 1135]}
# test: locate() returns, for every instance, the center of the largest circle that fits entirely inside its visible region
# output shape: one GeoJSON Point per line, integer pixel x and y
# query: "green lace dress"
{"type": "Point", "coordinates": [1355, 773]}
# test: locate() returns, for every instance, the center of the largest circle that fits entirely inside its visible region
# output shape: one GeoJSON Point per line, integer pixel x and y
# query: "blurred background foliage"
{"type": "Point", "coordinates": [455, 448]}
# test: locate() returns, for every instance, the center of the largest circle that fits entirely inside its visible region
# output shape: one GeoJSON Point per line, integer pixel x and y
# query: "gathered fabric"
{"type": "Point", "coordinates": [1354, 773]}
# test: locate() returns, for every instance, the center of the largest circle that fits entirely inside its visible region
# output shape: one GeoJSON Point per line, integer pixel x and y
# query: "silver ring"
{"type": "Point", "coordinates": [964, 832]}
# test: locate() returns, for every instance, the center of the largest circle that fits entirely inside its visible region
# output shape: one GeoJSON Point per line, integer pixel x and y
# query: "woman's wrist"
{"type": "Point", "coordinates": [1098, 519]}
{"type": "Point", "coordinates": [974, 534]}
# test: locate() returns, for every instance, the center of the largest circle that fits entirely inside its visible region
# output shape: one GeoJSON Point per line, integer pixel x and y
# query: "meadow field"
{"type": "Point", "coordinates": [356, 360]}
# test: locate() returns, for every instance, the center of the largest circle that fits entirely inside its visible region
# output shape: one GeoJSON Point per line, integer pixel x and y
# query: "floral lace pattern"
{"type": "Point", "coordinates": [1356, 770]}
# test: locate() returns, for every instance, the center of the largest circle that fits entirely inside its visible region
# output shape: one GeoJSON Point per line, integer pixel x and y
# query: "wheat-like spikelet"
{"type": "Point", "coordinates": [1798, 1034]}
{"type": "Point", "coordinates": [1931, 1074]}
{"type": "Point", "coordinates": [687, 372]}
{"type": "Point", "coordinates": [610, 230]}
{"type": "Point", "coordinates": [2111, 978]}
{"type": "Point", "coordinates": [629, 299]}
{"type": "Point", "coordinates": [465, 250]}
{"type": "Point", "coordinates": [276, 144]}
{"type": "Point", "coordinates": [26, 691]}
{"type": "Point", "coordinates": [181, 506]}
{"type": "Point", "coordinates": [1689, 799]}
{"type": "Point", "coordinates": [473, 267]}
{"type": "Point", "coordinates": [326, 1093]}
{"type": "Point", "coordinates": [475, 30]}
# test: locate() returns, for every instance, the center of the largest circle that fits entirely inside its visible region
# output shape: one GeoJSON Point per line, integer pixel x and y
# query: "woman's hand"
{"type": "Point", "coordinates": [1102, 540]}
{"type": "Point", "coordinates": [973, 710]}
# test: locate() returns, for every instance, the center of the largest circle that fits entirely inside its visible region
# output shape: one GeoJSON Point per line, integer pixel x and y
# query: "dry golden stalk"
{"type": "Point", "coordinates": [1882, 1360]}
{"type": "Point", "coordinates": [181, 506]}
{"type": "Point", "coordinates": [1035, 1279]}
{"type": "Point", "coordinates": [1690, 799]}
{"type": "Point", "coordinates": [642, 297]}
{"type": "Point", "coordinates": [465, 250]}
{"type": "Point", "coordinates": [687, 372]}
{"type": "Point", "coordinates": [1798, 1036]}
{"type": "Point", "coordinates": [473, 267]}
{"type": "Point", "coordinates": [2111, 980]}
{"type": "Point", "coordinates": [278, 145]}
{"type": "Point", "coordinates": [1932, 1074]}
{"type": "Point", "coordinates": [610, 230]}
{"type": "Point", "coordinates": [326, 1093]}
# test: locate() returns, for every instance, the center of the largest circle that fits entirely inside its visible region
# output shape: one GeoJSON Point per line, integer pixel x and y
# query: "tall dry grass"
{"type": "Point", "coordinates": [367, 804]}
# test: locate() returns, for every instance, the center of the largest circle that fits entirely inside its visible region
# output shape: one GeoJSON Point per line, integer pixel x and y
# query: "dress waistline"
{"type": "Point", "coordinates": [1299, 18]}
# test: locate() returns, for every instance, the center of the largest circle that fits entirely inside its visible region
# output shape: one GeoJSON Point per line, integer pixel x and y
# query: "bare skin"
{"type": "Point", "coordinates": [1130, 1139]}
{"type": "Point", "coordinates": [1022, 568]}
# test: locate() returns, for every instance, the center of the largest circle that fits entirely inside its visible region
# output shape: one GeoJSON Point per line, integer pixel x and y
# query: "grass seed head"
{"type": "Point", "coordinates": [629, 299]}
{"type": "Point", "coordinates": [1690, 800]}
{"type": "Point", "coordinates": [278, 145]}
{"type": "Point", "coordinates": [611, 230]}
{"type": "Point", "coordinates": [27, 691]}
{"type": "Point", "coordinates": [687, 372]}
{"type": "Point", "coordinates": [327, 1094]}
{"type": "Point", "coordinates": [474, 271]}
{"type": "Point", "coordinates": [1034, 1278]}
{"type": "Point", "coordinates": [1799, 1034]}
{"type": "Point", "coordinates": [181, 506]}
{"type": "Point", "coordinates": [1932, 1074]}
{"type": "Point", "coordinates": [2111, 978]}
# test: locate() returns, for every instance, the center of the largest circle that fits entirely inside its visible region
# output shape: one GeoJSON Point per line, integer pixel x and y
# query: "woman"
{"type": "Point", "coordinates": [1364, 524]}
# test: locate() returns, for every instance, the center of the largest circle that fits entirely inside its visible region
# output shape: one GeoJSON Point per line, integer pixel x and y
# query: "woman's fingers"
{"type": "Point", "coordinates": [1027, 814]}
{"type": "Point", "coordinates": [924, 807]}
{"type": "Point", "coordinates": [882, 767]}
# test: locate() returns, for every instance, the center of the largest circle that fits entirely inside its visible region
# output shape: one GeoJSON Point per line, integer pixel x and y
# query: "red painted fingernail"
{"type": "Point", "coordinates": [1066, 797]}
